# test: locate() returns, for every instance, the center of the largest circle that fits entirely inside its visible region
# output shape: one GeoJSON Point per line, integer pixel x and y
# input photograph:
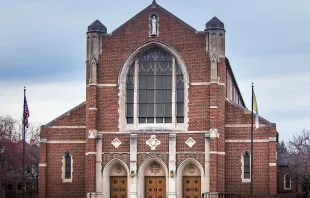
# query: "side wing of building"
{"type": "Point", "coordinates": [65, 134]}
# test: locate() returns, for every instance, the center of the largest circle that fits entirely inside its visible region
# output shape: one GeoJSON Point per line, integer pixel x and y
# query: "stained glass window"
{"type": "Point", "coordinates": [155, 73]}
{"type": "Point", "coordinates": [67, 165]}
{"type": "Point", "coordinates": [246, 165]}
{"type": "Point", "coordinates": [287, 181]}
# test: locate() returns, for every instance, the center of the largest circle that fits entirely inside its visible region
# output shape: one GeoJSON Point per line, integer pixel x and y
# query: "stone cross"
{"type": "Point", "coordinates": [154, 168]}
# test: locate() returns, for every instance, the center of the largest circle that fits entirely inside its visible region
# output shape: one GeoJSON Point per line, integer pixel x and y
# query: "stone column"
{"type": "Point", "coordinates": [133, 166]}
{"type": "Point", "coordinates": [99, 164]}
{"type": "Point", "coordinates": [206, 184]}
{"type": "Point", "coordinates": [172, 166]}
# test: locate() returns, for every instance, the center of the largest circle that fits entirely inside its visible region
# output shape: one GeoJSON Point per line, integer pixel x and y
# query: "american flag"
{"type": "Point", "coordinates": [26, 113]}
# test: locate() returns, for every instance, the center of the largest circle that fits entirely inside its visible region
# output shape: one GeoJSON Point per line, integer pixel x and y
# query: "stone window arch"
{"type": "Point", "coordinates": [153, 90]}
{"type": "Point", "coordinates": [287, 182]}
{"type": "Point", "coordinates": [246, 166]}
{"type": "Point", "coordinates": [67, 167]}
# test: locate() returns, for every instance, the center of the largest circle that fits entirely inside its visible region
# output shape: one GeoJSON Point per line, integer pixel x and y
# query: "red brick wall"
{"type": "Point", "coordinates": [199, 146]}
{"type": "Point", "coordinates": [55, 186]}
{"type": "Point", "coordinates": [264, 176]}
{"type": "Point", "coordinates": [116, 48]}
{"type": "Point", "coordinates": [163, 147]}
{"type": "Point", "coordinates": [74, 118]}
{"type": "Point", "coordinates": [108, 147]}
{"type": "Point", "coordinates": [295, 188]}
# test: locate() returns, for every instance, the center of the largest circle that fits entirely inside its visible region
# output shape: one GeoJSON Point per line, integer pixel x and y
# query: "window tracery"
{"type": "Point", "coordinates": [159, 86]}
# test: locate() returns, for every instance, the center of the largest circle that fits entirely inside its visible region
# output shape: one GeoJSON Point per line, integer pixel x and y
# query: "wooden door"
{"type": "Point", "coordinates": [191, 187]}
{"type": "Point", "coordinates": [155, 187]}
{"type": "Point", "coordinates": [118, 187]}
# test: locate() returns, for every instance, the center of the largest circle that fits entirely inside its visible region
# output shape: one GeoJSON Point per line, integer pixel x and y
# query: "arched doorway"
{"type": "Point", "coordinates": [153, 183]}
{"type": "Point", "coordinates": [115, 179]}
{"type": "Point", "coordinates": [190, 179]}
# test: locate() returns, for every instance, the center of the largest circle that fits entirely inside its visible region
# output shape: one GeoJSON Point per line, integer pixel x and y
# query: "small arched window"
{"type": "Point", "coordinates": [246, 167]}
{"type": "Point", "coordinates": [67, 167]}
{"type": "Point", "coordinates": [159, 85]}
{"type": "Point", "coordinates": [287, 182]}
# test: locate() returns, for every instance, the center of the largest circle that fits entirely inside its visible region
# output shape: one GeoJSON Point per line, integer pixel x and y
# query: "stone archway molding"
{"type": "Point", "coordinates": [131, 58]}
{"type": "Point", "coordinates": [140, 174]}
{"type": "Point", "coordinates": [106, 176]}
{"type": "Point", "coordinates": [122, 124]}
{"type": "Point", "coordinates": [179, 175]}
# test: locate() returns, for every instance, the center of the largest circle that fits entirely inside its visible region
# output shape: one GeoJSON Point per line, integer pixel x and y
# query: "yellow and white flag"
{"type": "Point", "coordinates": [255, 108]}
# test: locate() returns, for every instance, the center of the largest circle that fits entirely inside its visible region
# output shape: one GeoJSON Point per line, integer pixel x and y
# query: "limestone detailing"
{"type": "Point", "coordinates": [191, 169]}
{"type": "Point", "coordinates": [116, 143]}
{"type": "Point", "coordinates": [92, 133]}
{"type": "Point", "coordinates": [214, 133]}
{"type": "Point", "coordinates": [190, 142]}
{"type": "Point", "coordinates": [153, 142]}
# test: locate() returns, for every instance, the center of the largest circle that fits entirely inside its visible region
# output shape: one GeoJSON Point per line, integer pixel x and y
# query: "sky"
{"type": "Point", "coordinates": [43, 47]}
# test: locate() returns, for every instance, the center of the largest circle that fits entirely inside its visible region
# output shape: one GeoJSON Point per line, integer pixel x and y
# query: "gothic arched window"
{"type": "Point", "coordinates": [67, 167]}
{"type": "Point", "coordinates": [155, 84]}
{"type": "Point", "coordinates": [287, 182]}
{"type": "Point", "coordinates": [246, 166]}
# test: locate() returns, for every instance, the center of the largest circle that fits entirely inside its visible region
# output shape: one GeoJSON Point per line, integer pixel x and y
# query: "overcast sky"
{"type": "Point", "coordinates": [42, 46]}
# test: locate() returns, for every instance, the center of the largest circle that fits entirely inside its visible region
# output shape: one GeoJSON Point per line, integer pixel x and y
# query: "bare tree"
{"type": "Point", "coordinates": [299, 159]}
{"type": "Point", "coordinates": [10, 129]}
{"type": "Point", "coordinates": [11, 147]}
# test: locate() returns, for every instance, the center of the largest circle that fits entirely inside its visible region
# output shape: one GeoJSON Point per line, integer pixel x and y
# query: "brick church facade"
{"type": "Point", "coordinates": [163, 117]}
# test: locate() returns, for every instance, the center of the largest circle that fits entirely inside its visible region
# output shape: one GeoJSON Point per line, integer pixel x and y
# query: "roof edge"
{"type": "Point", "coordinates": [234, 79]}
{"type": "Point", "coordinates": [63, 115]}
{"type": "Point", "coordinates": [247, 110]}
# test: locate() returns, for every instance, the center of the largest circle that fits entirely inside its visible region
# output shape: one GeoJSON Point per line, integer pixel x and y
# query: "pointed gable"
{"type": "Point", "coordinates": [142, 20]}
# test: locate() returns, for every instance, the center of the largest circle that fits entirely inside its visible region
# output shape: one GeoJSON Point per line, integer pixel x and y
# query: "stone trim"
{"type": "Point", "coordinates": [272, 164]}
{"type": "Point", "coordinates": [90, 153]}
{"type": "Point", "coordinates": [66, 142]}
{"type": "Point", "coordinates": [214, 133]}
{"type": "Point", "coordinates": [67, 127]}
{"type": "Point", "coordinates": [200, 83]}
{"type": "Point", "coordinates": [42, 165]}
{"type": "Point", "coordinates": [245, 125]}
{"type": "Point", "coordinates": [115, 152]}
{"type": "Point", "coordinates": [246, 141]}
{"type": "Point", "coordinates": [185, 152]}
{"type": "Point", "coordinates": [217, 152]}
{"type": "Point", "coordinates": [153, 131]}
{"type": "Point", "coordinates": [272, 139]}
{"type": "Point", "coordinates": [92, 109]}
{"type": "Point", "coordinates": [107, 85]}
{"type": "Point", "coordinates": [43, 140]}
{"type": "Point", "coordinates": [152, 152]}
{"type": "Point", "coordinates": [213, 107]}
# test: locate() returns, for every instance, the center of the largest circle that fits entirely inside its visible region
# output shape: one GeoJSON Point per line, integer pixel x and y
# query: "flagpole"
{"type": "Point", "coordinates": [252, 134]}
{"type": "Point", "coordinates": [24, 135]}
